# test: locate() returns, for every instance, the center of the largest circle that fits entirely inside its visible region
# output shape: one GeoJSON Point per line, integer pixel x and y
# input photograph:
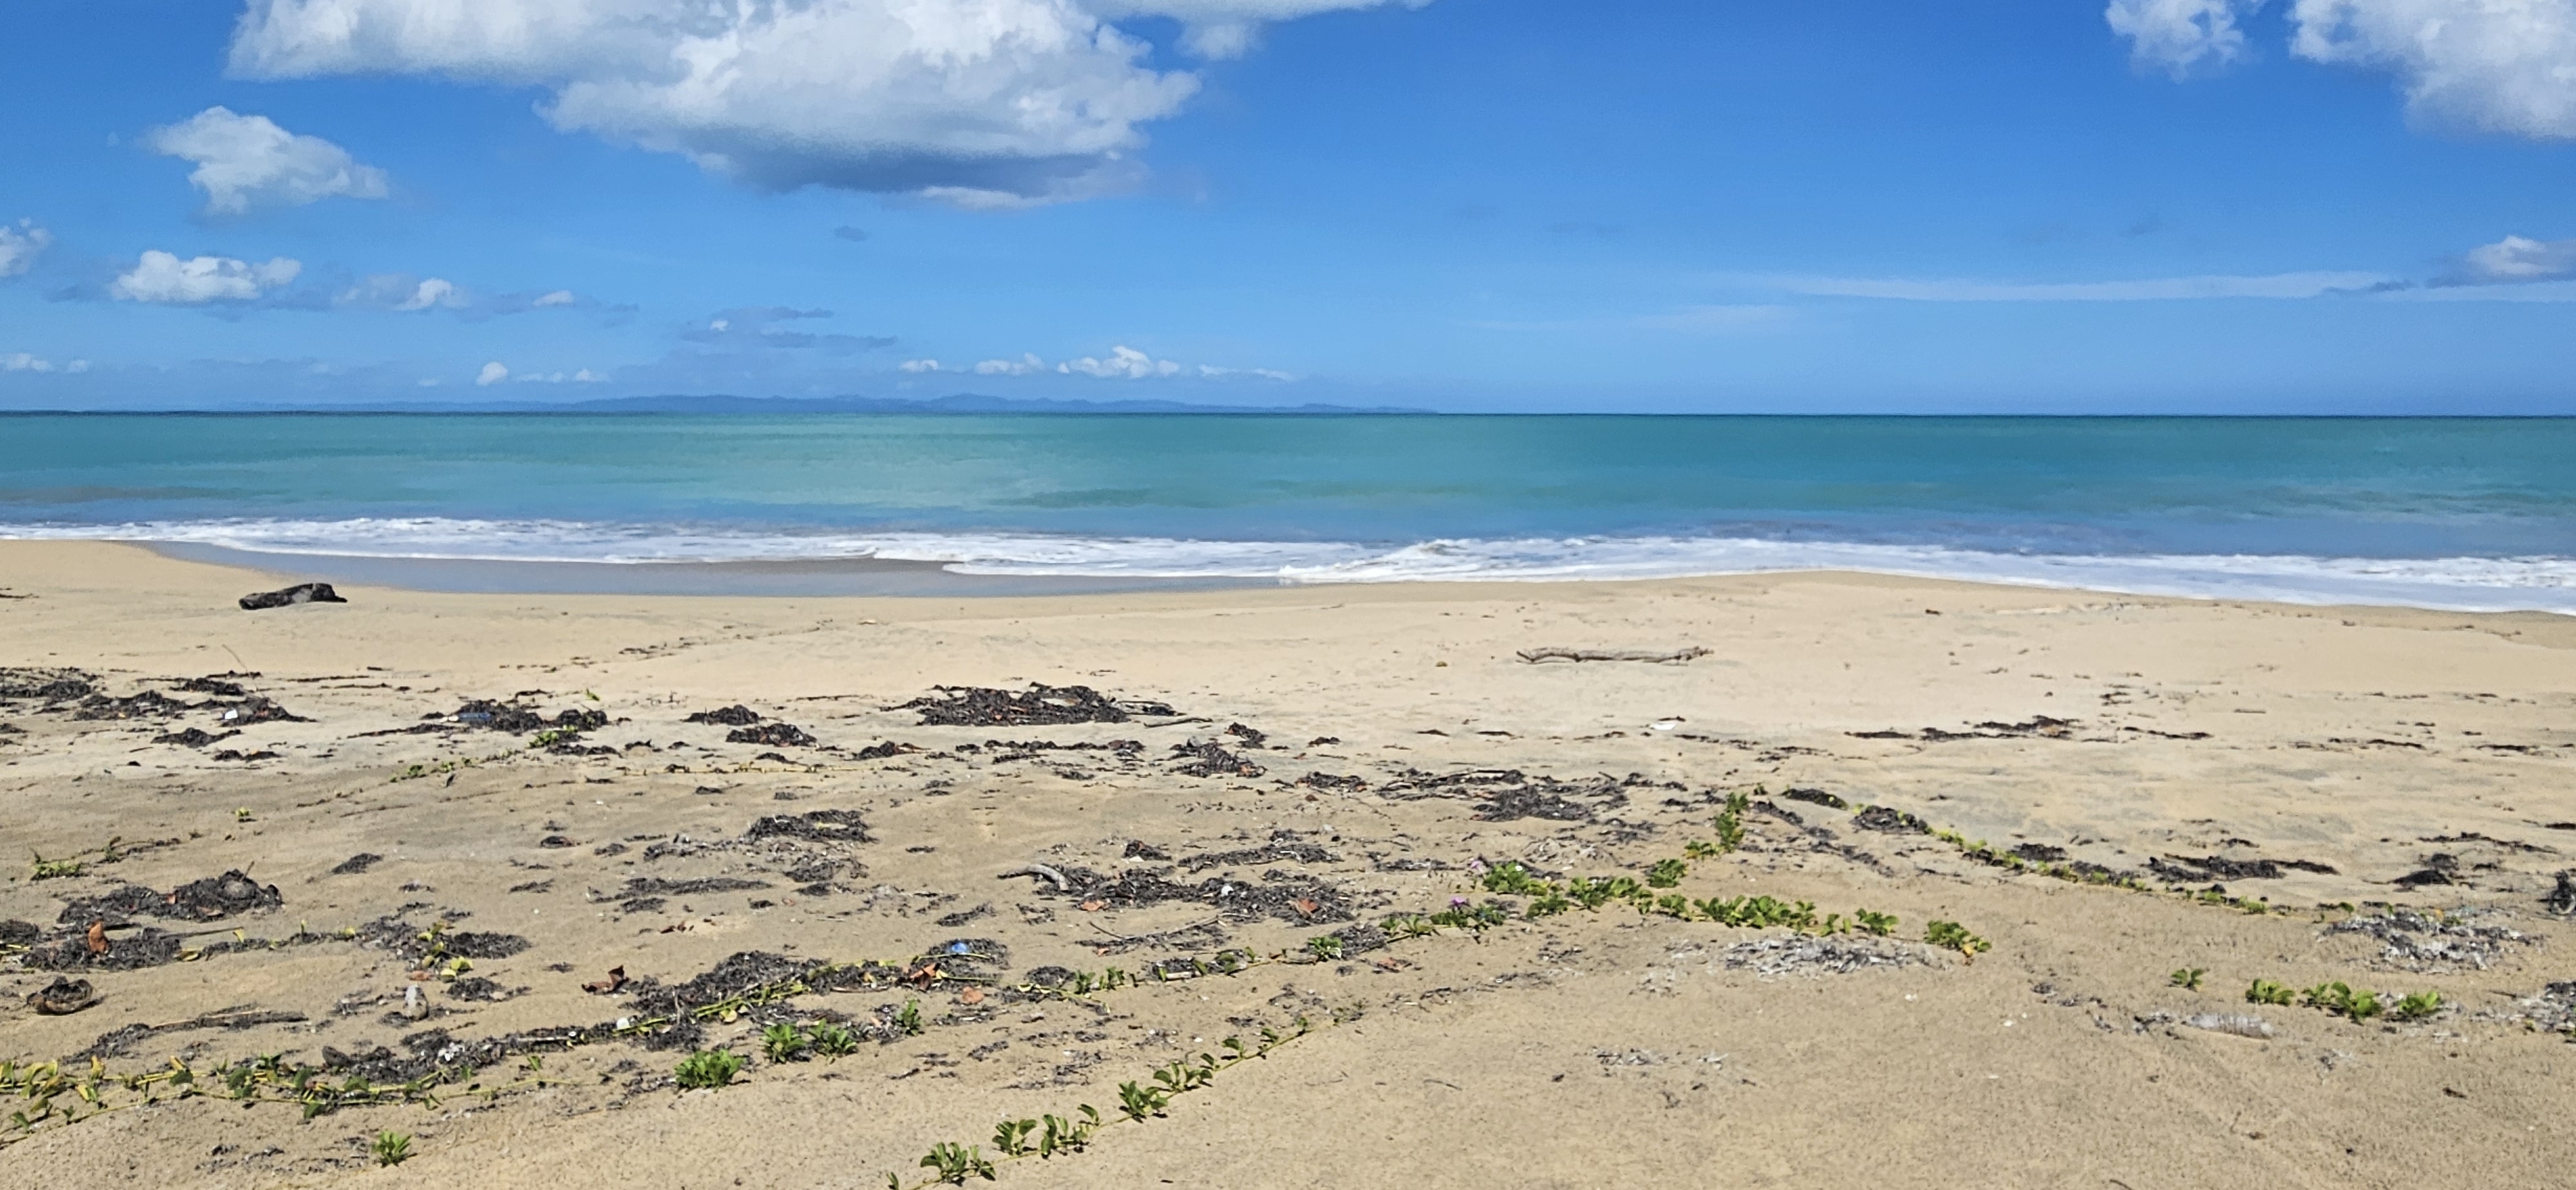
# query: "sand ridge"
{"type": "Point", "coordinates": [1391, 746]}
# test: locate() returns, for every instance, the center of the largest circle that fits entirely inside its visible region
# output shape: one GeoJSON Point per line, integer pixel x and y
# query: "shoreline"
{"type": "Point", "coordinates": [873, 576]}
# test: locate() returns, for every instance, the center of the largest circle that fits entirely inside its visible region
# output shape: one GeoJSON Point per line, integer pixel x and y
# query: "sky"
{"type": "Point", "coordinates": [2149, 206]}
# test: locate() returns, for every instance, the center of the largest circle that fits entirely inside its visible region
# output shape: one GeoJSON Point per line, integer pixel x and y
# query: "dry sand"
{"type": "Point", "coordinates": [1591, 1048]}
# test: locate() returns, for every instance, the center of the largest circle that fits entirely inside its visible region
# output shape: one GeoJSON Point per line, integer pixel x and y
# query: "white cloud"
{"type": "Point", "coordinates": [980, 103]}
{"type": "Point", "coordinates": [1011, 367]}
{"type": "Point", "coordinates": [2497, 65]}
{"type": "Point", "coordinates": [560, 297]}
{"type": "Point", "coordinates": [2515, 260]}
{"type": "Point", "coordinates": [164, 278]}
{"type": "Point", "coordinates": [2277, 285]}
{"type": "Point", "coordinates": [492, 373]}
{"type": "Point", "coordinates": [23, 362]}
{"type": "Point", "coordinates": [21, 245]}
{"type": "Point", "coordinates": [431, 293]}
{"type": "Point", "coordinates": [2181, 36]}
{"type": "Point", "coordinates": [1213, 372]}
{"type": "Point", "coordinates": [1124, 363]}
{"type": "Point", "coordinates": [919, 365]}
{"type": "Point", "coordinates": [248, 161]}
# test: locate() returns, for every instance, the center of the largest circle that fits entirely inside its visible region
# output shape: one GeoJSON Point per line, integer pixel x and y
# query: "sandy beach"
{"type": "Point", "coordinates": [1501, 917]}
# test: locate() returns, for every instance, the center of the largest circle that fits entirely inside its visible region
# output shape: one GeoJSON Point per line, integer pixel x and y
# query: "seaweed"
{"type": "Point", "coordinates": [775, 735]}
{"type": "Point", "coordinates": [1816, 797]}
{"type": "Point", "coordinates": [976, 706]}
{"type": "Point", "coordinates": [46, 685]}
{"type": "Point", "coordinates": [210, 899]}
{"type": "Point", "coordinates": [1890, 819]}
{"type": "Point", "coordinates": [1211, 760]}
{"type": "Point", "coordinates": [736, 715]}
{"type": "Point", "coordinates": [823, 825]}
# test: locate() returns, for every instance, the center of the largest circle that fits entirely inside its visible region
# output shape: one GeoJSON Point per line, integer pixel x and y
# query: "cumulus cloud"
{"type": "Point", "coordinates": [2275, 285]}
{"type": "Point", "coordinates": [560, 297]}
{"type": "Point", "coordinates": [2506, 66]}
{"type": "Point", "coordinates": [163, 278]}
{"type": "Point", "coordinates": [1022, 366]}
{"type": "Point", "coordinates": [2181, 36]}
{"type": "Point", "coordinates": [2497, 65]}
{"type": "Point", "coordinates": [1124, 363]}
{"type": "Point", "coordinates": [248, 161]}
{"type": "Point", "coordinates": [980, 103]}
{"type": "Point", "coordinates": [2514, 260]}
{"type": "Point", "coordinates": [492, 373]}
{"type": "Point", "coordinates": [919, 365]}
{"type": "Point", "coordinates": [21, 245]}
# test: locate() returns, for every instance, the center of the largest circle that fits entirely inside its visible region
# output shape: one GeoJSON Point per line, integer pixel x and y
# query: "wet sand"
{"type": "Point", "coordinates": [2107, 791]}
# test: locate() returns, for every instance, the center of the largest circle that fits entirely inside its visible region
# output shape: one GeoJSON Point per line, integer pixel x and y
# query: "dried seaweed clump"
{"type": "Point", "coordinates": [2433, 941]}
{"type": "Point", "coordinates": [1039, 705]}
{"type": "Point", "coordinates": [46, 685]}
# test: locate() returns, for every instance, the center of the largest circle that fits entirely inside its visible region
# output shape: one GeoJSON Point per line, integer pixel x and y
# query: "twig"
{"type": "Point", "coordinates": [1552, 653]}
{"type": "Point", "coordinates": [1061, 884]}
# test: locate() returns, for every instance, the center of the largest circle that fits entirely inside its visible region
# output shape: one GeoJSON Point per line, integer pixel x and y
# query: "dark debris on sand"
{"type": "Point", "coordinates": [151, 704]}
{"type": "Point", "coordinates": [517, 720]}
{"type": "Point", "coordinates": [775, 735]}
{"type": "Point", "coordinates": [45, 685]}
{"type": "Point", "coordinates": [842, 826]}
{"type": "Point", "coordinates": [1275, 895]}
{"type": "Point", "coordinates": [1039, 705]}
{"type": "Point", "coordinates": [210, 899]}
{"type": "Point", "coordinates": [736, 715]}
{"type": "Point", "coordinates": [1890, 819]}
{"type": "Point", "coordinates": [2433, 941]}
{"type": "Point", "coordinates": [416, 943]}
{"type": "Point", "coordinates": [1283, 847]}
{"type": "Point", "coordinates": [1210, 760]}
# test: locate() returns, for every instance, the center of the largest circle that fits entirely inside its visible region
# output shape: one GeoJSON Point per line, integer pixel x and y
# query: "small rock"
{"type": "Point", "coordinates": [290, 596]}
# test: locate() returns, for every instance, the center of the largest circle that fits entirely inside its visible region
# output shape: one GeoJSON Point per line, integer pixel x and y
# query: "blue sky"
{"type": "Point", "coordinates": [1879, 205]}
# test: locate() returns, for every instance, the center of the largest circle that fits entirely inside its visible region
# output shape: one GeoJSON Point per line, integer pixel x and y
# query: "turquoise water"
{"type": "Point", "coordinates": [2441, 512]}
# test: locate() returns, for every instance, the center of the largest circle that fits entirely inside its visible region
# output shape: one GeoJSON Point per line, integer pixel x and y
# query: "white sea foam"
{"type": "Point", "coordinates": [2463, 583]}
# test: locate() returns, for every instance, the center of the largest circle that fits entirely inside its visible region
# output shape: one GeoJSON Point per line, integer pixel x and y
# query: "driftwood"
{"type": "Point", "coordinates": [1556, 654]}
{"type": "Point", "coordinates": [291, 596]}
{"type": "Point", "coordinates": [1041, 870]}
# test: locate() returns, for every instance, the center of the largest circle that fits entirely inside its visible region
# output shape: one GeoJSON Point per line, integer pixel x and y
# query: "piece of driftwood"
{"type": "Point", "coordinates": [300, 593]}
{"type": "Point", "coordinates": [1556, 654]}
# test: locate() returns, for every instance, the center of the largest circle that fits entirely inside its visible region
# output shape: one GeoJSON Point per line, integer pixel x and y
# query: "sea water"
{"type": "Point", "coordinates": [2451, 513]}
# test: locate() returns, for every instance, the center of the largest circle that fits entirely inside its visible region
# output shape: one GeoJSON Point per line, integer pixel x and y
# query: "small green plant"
{"type": "Point", "coordinates": [708, 1069]}
{"type": "Point", "coordinates": [1667, 873]}
{"type": "Point", "coordinates": [954, 1163]}
{"type": "Point", "coordinates": [1325, 948]}
{"type": "Point", "coordinates": [2187, 978]}
{"type": "Point", "coordinates": [1730, 821]}
{"type": "Point", "coordinates": [1950, 935]}
{"type": "Point", "coordinates": [2416, 1006]}
{"type": "Point", "coordinates": [1011, 1137]}
{"type": "Point", "coordinates": [785, 1043]}
{"type": "Point", "coordinates": [909, 1020]}
{"type": "Point", "coordinates": [1881, 924]}
{"type": "Point", "coordinates": [2265, 991]}
{"type": "Point", "coordinates": [1550, 903]}
{"type": "Point", "coordinates": [834, 1040]}
{"type": "Point", "coordinates": [390, 1148]}
{"type": "Point", "coordinates": [1510, 877]}
{"type": "Point", "coordinates": [241, 814]}
{"type": "Point", "coordinates": [1061, 1135]}
{"type": "Point", "coordinates": [1700, 849]}
{"type": "Point", "coordinates": [1140, 1101]}
{"type": "Point", "coordinates": [49, 869]}
{"type": "Point", "coordinates": [2340, 999]}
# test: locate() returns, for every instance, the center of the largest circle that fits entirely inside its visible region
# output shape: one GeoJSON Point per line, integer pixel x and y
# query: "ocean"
{"type": "Point", "coordinates": [2471, 514]}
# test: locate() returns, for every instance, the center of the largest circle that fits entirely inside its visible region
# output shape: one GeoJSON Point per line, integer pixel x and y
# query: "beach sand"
{"type": "Point", "coordinates": [2414, 771]}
